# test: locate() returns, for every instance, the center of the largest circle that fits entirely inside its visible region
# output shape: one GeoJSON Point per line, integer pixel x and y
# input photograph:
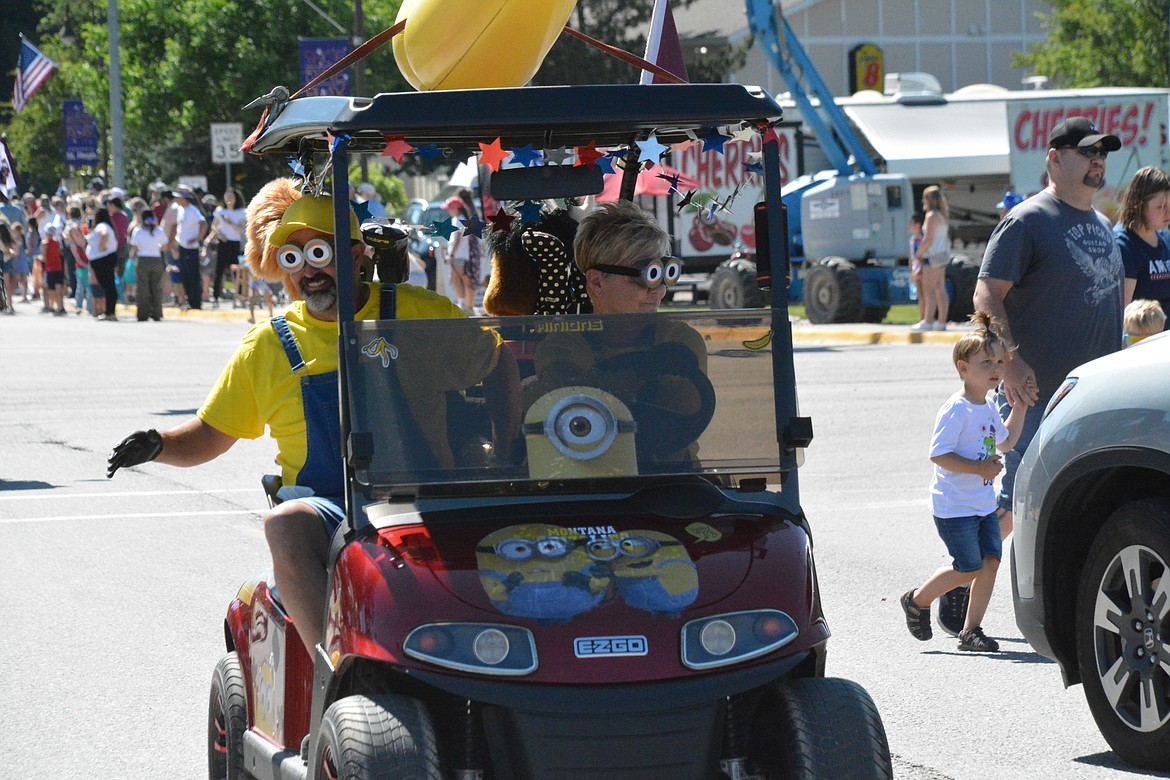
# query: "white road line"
{"type": "Point", "coordinates": [66, 519]}
{"type": "Point", "coordinates": [41, 495]}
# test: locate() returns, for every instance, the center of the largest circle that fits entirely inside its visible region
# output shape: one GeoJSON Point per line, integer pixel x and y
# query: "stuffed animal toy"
{"type": "Point", "coordinates": [533, 271]}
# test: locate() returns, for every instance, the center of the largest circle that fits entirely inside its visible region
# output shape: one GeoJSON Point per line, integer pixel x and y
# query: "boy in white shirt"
{"type": "Point", "coordinates": [967, 432]}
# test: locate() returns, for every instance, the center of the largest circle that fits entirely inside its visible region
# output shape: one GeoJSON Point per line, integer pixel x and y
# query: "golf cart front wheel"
{"type": "Point", "coordinates": [819, 729]}
{"type": "Point", "coordinates": [377, 738]}
{"type": "Point", "coordinates": [227, 720]}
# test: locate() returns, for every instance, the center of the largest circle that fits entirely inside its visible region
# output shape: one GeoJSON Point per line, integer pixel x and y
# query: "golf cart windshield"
{"type": "Point", "coordinates": [616, 397]}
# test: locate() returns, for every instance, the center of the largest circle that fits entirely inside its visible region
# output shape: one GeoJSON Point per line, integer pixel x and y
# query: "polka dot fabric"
{"type": "Point", "coordinates": [561, 284]}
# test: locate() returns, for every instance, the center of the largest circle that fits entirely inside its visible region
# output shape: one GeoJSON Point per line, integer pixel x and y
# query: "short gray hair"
{"type": "Point", "coordinates": [618, 233]}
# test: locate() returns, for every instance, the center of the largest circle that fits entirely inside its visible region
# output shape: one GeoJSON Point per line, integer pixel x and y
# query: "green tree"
{"type": "Point", "coordinates": [1098, 43]}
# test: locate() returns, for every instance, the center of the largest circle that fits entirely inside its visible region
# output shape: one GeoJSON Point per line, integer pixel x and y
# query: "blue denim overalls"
{"type": "Point", "coordinates": [323, 471]}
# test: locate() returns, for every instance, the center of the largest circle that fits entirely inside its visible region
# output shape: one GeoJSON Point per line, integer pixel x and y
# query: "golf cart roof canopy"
{"type": "Point", "coordinates": [546, 117]}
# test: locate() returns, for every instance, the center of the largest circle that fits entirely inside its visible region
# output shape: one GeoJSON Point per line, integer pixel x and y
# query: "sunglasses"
{"type": "Point", "coordinates": [317, 252]}
{"type": "Point", "coordinates": [1091, 152]}
{"type": "Point", "coordinates": [651, 273]}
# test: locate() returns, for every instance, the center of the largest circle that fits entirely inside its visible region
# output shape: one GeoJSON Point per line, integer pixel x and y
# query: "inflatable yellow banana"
{"type": "Point", "coordinates": [470, 44]}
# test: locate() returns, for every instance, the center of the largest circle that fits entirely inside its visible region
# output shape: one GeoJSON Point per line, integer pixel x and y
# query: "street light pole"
{"type": "Point", "coordinates": [117, 179]}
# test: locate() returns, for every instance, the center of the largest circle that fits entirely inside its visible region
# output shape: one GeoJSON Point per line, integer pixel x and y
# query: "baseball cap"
{"type": "Point", "coordinates": [310, 211]}
{"type": "Point", "coordinates": [453, 202]}
{"type": "Point", "coordinates": [1079, 131]}
{"type": "Point", "coordinates": [185, 192]}
{"type": "Point", "coordinates": [365, 188]}
{"type": "Point", "coordinates": [118, 192]}
{"type": "Point", "coordinates": [1010, 200]}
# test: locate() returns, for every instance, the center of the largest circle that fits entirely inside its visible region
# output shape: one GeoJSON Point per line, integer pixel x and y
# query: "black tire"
{"type": "Point", "coordinates": [227, 720]}
{"type": "Point", "coordinates": [832, 292]}
{"type": "Point", "coordinates": [874, 313]}
{"type": "Point", "coordinates": [377, 738]}
{"type": "Point", "coordinates": [819, 729]}
{"type": "Point", "coordinates": [733, 286]}
{"type": "Point", "coordinates": [962, 275]}
{"type": "Point", "coordinates": [1122, 642]}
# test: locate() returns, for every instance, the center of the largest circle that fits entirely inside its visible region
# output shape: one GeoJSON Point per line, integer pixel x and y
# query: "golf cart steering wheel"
{"type": "Point", "coordinates": [663, 432]}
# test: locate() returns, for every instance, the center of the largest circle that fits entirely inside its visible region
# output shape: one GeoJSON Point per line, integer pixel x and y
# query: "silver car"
{"type": "Point", "coordinates": [1091, 550]}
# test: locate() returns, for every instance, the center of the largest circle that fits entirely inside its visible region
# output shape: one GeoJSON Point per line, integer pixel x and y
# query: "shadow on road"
{"type": "Point", "coordinates": [1109, 760]}
{"type": "Point", "coordinates": [25, 484]}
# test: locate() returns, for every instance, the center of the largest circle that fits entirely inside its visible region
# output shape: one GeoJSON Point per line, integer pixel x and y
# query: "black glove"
{"type": "Point", "coordinates": [137, 448]}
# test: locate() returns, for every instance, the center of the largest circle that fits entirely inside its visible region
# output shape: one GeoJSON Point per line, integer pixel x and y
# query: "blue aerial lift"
{"type": "Point", "coordinates": [847, 226]}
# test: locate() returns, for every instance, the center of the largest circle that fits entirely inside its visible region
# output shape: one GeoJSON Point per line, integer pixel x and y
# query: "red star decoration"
{"type": "Point", "coordinates": [500, 220]}
{"type": "Point", "coordinates": [771, 137]}
{"type": "Point", "coordinates": [588, 155]}
{"type": "Point", "coordinates": [492, 154]}
{"type": "Point", "coordinates": [397, 147]}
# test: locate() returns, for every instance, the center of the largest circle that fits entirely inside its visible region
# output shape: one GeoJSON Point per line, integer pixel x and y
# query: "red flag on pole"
{"type": "Point", "coordinates": [663, 47]}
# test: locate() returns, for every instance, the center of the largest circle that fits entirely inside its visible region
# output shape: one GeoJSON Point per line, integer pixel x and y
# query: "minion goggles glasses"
{"type": "Point", "coordinates": [651, 273]}
{"type": "Point", "coordinates": [317, 252]}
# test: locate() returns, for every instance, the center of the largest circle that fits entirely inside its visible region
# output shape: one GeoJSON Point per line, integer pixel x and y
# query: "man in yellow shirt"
{"type": "Point", "coordinates": [283, 376]}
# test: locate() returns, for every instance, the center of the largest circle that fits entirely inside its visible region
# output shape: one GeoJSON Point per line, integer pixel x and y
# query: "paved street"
{"type": "Point", "coordinates": [114, 592]}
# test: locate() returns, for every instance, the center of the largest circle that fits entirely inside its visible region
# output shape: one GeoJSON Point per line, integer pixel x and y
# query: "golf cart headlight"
{"type": "Point", "coordinates": [718, 640]}
{"type": "Point", "coordinates": [490, 646]}
{"type": "Point", "coordinates": [717, 637]}
{"type": "Point", "coordinates": [474, 647]}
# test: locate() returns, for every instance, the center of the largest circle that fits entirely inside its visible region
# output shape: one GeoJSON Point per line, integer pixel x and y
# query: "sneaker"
{"type": "Point", "coordinates": [917, 618]}
{"type": "Point", "coordinates": [940, 326]}
{"type": "Point", "coordinates": [921, 325]}
{"type": "Point", "coordinates": [952, 610]}
{"type": "Point", "coordinates": [974, 640]}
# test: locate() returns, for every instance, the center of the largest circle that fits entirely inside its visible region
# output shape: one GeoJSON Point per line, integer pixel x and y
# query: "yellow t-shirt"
{"type": "Point", "coordinates": [258, 388]}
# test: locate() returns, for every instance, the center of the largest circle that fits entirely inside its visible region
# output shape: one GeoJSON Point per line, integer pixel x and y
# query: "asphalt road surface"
{"type": "Point", "coordinates": [114, 591]}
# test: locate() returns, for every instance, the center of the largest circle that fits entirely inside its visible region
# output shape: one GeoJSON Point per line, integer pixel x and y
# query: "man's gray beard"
{"type": "Point", "coordinates": [321, 301]}
{"type": "Point", "coordinates": [1094, 180]}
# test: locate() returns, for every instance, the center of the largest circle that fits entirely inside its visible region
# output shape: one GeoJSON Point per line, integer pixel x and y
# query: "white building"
{"type": "Point", "coordinates": [960, 42]}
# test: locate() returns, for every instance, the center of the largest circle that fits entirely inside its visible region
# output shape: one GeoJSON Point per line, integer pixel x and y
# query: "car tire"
{"type": "Point", "coordinates": [227, 720]}
{"type": "Point", "coordinates": [807, 729]}
{"type": "Point", "coordinates": [1123, 636]}
{"type": "Point", "coordinates": [377, 738]}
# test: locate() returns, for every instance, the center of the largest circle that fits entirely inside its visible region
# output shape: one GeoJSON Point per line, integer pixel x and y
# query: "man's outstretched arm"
{"type": "Point", "coordinates": [190, 444]}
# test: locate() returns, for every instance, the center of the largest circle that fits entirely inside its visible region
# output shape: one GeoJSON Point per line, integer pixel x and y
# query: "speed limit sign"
{"type": "Point", "coordinates": [226, 138]}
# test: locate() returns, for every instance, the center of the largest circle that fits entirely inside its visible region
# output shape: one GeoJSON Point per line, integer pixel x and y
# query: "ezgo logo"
{"type": "Point", "coordinates": [597, 646]}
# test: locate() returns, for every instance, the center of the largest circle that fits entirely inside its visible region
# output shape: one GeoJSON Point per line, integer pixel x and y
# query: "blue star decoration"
{"type": "Point", "coordinates": [673, 179]}
{"type": "Point", "coordinates": [529, 212]}
{"type": "Point", "coordinates": [296, 166]}
{"type": "Point", "coordinates": [526, 156]}
{"type": "Point", "coordinates": [444, 228]}
{"type": "Point", "coordinates": [712, 208]}
{"type": "Point", "coordinates": [428, 151]}
{"type": "Point", "coordinates": [651, 150]}
{"type": "Point", "coordinates": [756, 168]}
{"type": "Point", "coordinates": [713, 139]}
{"type": "Point", "coordinates": [362, 210]}
{"type": "Point", "coordinates": [606, 163]}
{"type": "Point", "coordinates": [474, 227]}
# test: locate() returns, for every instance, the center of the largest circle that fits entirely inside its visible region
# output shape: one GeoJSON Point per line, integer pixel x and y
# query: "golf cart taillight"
{"type": "Point", "coordinates": [718, 640]}
{"type": "Point", "coordinates": [474, 647]}
{"type": "Point", "coordinates": [414, 545]}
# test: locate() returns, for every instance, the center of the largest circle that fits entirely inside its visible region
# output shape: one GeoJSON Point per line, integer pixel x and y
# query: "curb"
{"type": "Point", "coordinates": [802, 332]}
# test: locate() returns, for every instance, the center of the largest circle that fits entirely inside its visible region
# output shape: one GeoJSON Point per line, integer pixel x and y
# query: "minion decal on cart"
{"type": "Point", "coordinates": [551, 573]}
{"type": "Point", "coordinates": [580, 432]}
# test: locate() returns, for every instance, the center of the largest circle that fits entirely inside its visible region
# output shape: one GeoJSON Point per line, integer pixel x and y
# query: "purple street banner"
{"type": "Point", "coordinates": [81, 135]}
{"type": "Point", "coordinates": [317, 54]}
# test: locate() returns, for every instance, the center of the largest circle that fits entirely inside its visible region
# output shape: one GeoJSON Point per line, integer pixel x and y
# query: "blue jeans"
{"type": "Point", "coordinates": [1011, 460]}
{"type": "Point", "coordinates": [192, 280]}
{"type": "Point", "coordinates": [970, 539]}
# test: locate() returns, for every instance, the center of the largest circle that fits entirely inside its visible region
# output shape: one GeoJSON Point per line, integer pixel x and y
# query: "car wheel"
{"type": "Point", "coordinates": [806, 729]}
{"type": "Point", "coordinates": [377, 738]}
{"type": "Point", "coordinates": [227, 720]}
{"type": "Point", "coordinates": [734, 286]}
{"type": "Point", "coordinates": [1123, 632]}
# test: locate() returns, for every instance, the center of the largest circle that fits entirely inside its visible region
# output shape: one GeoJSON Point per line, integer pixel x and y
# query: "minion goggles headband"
{"type": "Point", "coordinates": [650, 273]}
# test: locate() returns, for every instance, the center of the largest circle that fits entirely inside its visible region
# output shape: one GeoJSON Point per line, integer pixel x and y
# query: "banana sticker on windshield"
{"type": "Point", "coordinates": [380, 348]}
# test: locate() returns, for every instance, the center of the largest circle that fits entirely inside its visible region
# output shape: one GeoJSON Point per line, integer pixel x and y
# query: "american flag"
{"type": "Point", "coordinates": [34, 69]}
